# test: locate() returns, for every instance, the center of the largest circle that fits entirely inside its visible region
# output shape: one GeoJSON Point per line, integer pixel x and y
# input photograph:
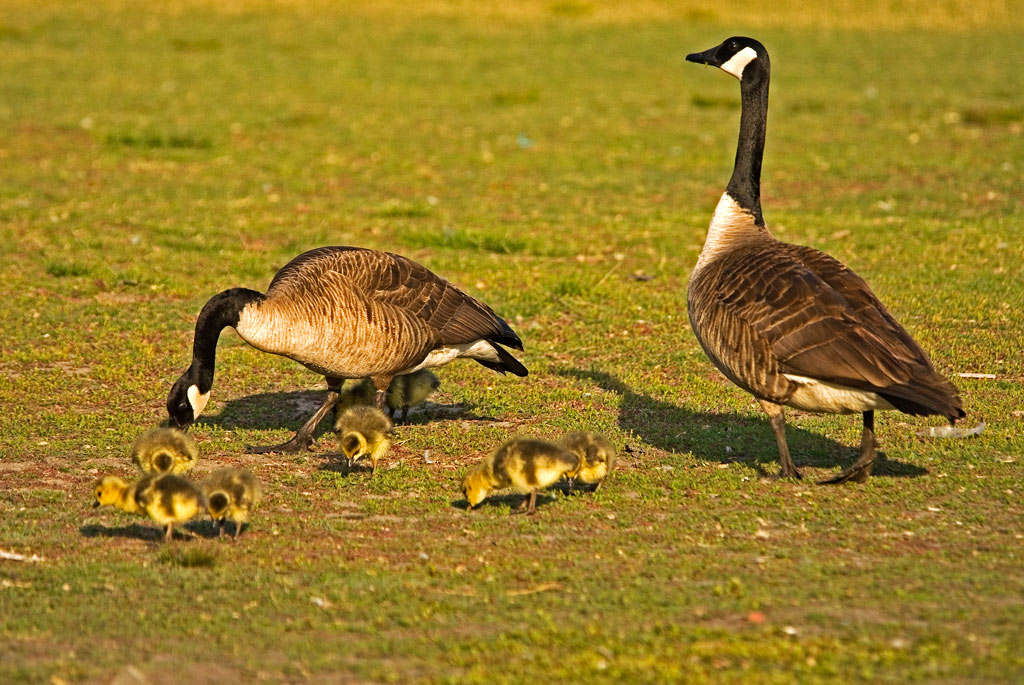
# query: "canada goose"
{"type": "Point", "coordinates": [165, 450]}
{"type": "Point", "coordinates": [790, 324]}
{"type": "Point", "coordinates": [346, 312]}
{"type": "Point", "coordinates": [596, 453]}
{"type": "Point", "coordinates": [363, 431]}
{"type": "Point", "coordinates": [524, 464]}
{"type": "Point", "coordinates": [112, 491]}
{"type": "Point", "coordinates": [231, 494]}
{"type": "Point", "coordinates": [405, 391]}
{"type": "Point", "coordinates": [168, 499]}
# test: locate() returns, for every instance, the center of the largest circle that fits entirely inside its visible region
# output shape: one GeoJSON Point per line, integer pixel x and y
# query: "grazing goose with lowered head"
{"type": "Point", "coordinates": [790, 324]}
{"type": "Point", "coordinates": [347, 312]}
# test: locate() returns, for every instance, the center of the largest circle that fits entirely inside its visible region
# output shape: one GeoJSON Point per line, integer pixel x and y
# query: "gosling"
{"type": "Point", "coordinates": [166, 498]}
{"type": "Point", "coordinates": [409, 390]}
{"type": "Point", "coordinates": [363, 431]}
{"type": "Point", "coordinates": [231, 494]}
{"type": "Point", "coordinates": [169, 499]}
{"type": "Point", "coordinates": [404, 392]}
{"type": "Point", "coordinates": [524, 464]}
{"type": "Point", "coordinates": [112, 491]}
{"type": "Point", "coordinates": [165, 450]}
{"type": "Point", "coordinates": [363, 393]}
{"type": "Point", "coordinates": [596, 453]}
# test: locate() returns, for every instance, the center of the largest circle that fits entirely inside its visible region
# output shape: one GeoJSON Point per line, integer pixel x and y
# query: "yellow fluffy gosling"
{"type": "Point", "coordinates": [165, 450]}
{"type": "Point", "coordinates": [404, 392]}
{"type": "Point", "coordinates": [169, 499]}
{"type": "Point", "coordinates": [363, 431]}
{"type": "Point", "coordinates": [524, 464]}
{"type": "Point", "coordinates": [596, 453]}
{"type": "Point", "coordinates": [409, 390]}
{"type": "Point", "coordinates": [363, 393]}
{"type": "Point", "coordinates": [231, 494]}
{"type": "Point", "coordinates": [111, 491]}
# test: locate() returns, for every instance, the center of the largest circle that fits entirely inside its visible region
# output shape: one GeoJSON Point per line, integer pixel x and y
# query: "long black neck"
{"type": "Point", "coordinates": [222, 310]}
{"type": "Point", "coordinates": [745, 184]}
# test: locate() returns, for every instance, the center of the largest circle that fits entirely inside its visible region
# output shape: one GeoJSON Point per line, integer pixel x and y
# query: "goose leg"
{"type": "Point", "coordinates": [169, 532]}
{"type": "Point", "coordinates": [304, 436]}
{"type": "Point", "coordinates": [777, 414]}
{"type": "Point", "coordinates": [859, 470]}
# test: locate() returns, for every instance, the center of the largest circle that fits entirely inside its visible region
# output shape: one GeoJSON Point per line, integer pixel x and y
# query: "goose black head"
{"type": "Point", "coordinates": [185, 402]}
{"type": "Point", "coordinates": [737, 56]}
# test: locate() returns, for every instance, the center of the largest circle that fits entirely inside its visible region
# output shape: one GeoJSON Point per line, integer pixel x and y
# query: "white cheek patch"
{"type": "Point", "coordinates": [197, 399]}
{"type": "Point", "coordinates": [738, 62]}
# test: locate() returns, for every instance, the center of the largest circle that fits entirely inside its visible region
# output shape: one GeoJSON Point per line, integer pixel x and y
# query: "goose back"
{"type": "Point", "coordinates": [776, 318]}
{"type": "Point", "coordinates": [350, 312]}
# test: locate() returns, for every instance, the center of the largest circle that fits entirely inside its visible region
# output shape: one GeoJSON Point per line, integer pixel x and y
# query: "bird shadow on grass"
{"type": "Point", "coordinates": [706, 435]}
{"type": "Point", "coordinates": [512, 501]}
{"type": "Point", "coordinates": [337, 462]}
{"type": "Point", "coordinates": [290, 410]}
{"type": "Point", "coordinates": [136, 531]}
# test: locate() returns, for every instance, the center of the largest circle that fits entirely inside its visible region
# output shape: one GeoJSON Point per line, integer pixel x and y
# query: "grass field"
{"type": "Point", "coordinates": [560, 161]}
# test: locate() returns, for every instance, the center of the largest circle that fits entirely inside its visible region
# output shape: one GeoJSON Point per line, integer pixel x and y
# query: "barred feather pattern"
{"type": "Point", "coordinates": [350, 313]}
{"type": "Point", "coordinates": [768, 311]}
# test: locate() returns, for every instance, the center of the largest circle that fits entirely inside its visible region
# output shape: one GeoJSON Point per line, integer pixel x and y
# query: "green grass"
{"type": "Point", "coordinates": [559, 160]}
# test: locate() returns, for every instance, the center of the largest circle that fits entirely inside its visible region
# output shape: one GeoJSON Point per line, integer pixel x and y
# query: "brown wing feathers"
{"type": "Point", "coordinates": [819, 320]}
{"type": "Point", "coordinates": [392, 281]}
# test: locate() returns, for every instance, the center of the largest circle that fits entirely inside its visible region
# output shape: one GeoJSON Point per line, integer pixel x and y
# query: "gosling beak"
{"type": "Point", "coordinates": [95, 504]}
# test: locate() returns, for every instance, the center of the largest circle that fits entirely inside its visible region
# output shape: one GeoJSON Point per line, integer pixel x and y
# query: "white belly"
{"type": "Point", "coordinates": [480, 349]}
{"type": "Point", "coordinates": [822, 396]}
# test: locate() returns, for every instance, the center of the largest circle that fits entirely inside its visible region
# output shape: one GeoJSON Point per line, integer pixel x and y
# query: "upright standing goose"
{"type": "Point", "coordinates": [346, 312]}
{"type": "Point", "coordinates": [790, 324]}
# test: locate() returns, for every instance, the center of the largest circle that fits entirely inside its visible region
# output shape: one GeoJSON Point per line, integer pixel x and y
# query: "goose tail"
{"type": "Point", "coordinates": [936, 398]}
{"type": "Point", "coordinates": [505, 363]}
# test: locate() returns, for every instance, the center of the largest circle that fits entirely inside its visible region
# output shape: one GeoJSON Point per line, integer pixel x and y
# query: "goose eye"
{"type": "Point", "coordinates": [183, 407]}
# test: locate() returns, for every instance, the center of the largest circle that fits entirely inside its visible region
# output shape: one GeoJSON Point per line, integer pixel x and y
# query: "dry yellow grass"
{"type": "Point", "coordinates": [952, 15]}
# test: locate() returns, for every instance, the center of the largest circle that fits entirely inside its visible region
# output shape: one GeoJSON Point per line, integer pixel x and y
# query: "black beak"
{"type": "Point", "coordinates": [95, 504]}
{"type": "Point", "coordinates": [709, 57]}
